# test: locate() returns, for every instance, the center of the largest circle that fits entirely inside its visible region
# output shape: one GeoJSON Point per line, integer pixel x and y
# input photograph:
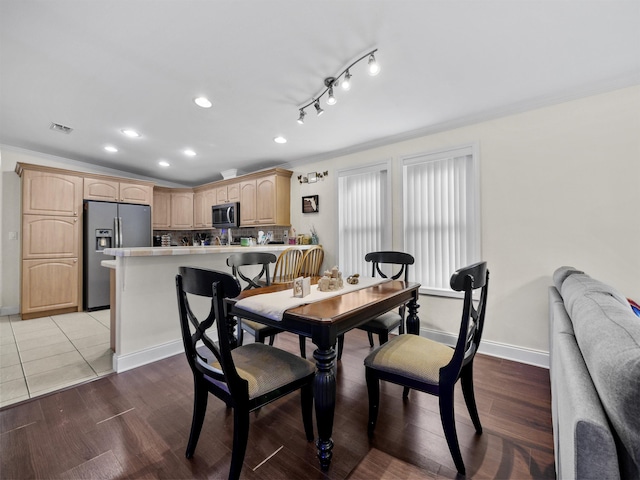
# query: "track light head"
{"type": "Point", "coordinates": [319, 109]}
{"type": "Point", "coordinates": [346, 81]}
{"type": "Point", "coordinates": [374, 68]}
{"type": "Point", "coordinates": [301, 117]}
{"type": "Point", "coordinates": [331, 100]}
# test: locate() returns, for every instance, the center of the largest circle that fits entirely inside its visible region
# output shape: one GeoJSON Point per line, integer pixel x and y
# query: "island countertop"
{"type": "Point", "coordinates": [201, 250]}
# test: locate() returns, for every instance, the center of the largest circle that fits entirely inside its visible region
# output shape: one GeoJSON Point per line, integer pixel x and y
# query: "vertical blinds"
{"type": "Point", "coordinates": [441, 215]}
{"type": "Point", "coordinates": [362, 212]}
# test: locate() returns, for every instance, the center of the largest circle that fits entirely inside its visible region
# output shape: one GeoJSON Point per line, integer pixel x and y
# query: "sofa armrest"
{"type": "Point", "coordinates": [585, 443]}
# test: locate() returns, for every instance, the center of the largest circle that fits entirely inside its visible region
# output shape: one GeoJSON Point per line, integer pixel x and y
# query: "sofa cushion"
{"type": "Point", "coordinates": [608, 334]}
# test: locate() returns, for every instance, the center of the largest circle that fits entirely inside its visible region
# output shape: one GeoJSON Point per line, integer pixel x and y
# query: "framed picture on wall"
{"type": "Point", "coordinates": [310, 204]}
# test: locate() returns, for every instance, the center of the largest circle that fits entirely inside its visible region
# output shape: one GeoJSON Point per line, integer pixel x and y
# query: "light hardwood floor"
{"type": "Point", "coordinates": [46, 354]}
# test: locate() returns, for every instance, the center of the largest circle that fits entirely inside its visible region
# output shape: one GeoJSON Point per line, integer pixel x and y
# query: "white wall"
{"type": "Point", "coordinates": [559, 186]}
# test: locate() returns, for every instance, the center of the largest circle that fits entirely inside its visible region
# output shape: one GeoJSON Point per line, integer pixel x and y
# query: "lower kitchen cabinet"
{"type": "Point", "coordinates": [49, 285]}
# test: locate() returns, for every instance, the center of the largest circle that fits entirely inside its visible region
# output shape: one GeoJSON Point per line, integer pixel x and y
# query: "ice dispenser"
{"type": "Point", "coordinates": [103, 238]}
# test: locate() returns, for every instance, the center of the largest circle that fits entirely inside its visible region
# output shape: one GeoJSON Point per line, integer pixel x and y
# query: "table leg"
{"type": "Point", "coordinates": [324, 391]}
{"type": "Point", "coordinates": [413, 322]}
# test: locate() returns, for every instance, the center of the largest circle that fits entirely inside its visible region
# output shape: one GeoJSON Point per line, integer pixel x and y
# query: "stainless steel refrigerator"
{"type": "Point", "coordinates": [109, 225]}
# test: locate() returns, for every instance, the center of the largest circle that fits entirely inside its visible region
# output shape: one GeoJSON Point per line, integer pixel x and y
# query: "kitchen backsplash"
{"type": "Point", "coordinates": [180, 237]}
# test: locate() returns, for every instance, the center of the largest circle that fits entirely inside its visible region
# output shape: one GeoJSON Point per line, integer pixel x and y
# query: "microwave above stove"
{"type": "Point", "coordinates": [226, 215]}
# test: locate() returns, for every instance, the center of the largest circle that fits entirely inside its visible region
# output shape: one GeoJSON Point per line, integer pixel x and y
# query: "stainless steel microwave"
{"type": "Point", "coordinates": [226, 215]}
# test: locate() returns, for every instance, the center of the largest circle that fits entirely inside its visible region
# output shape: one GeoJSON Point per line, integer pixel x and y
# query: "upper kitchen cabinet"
{"type": "Point", "coordinates": [172, 209]}
{"type": "Point", "coordinates": [228, 193]}
{"type": "Point", "coordinates": [203, 200]}
{"type": "Point", "coordinates": [112, 190]}
{"type": "Point", "coordinates": [265, 198]}
{"type": "Point", "coordinates": [50, 192]}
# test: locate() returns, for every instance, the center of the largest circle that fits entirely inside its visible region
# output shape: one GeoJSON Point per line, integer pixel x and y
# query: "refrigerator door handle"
{"type": "Point", "coordinates": [115, 232]}
{"type": "Point", "coordinates": [119, 232]}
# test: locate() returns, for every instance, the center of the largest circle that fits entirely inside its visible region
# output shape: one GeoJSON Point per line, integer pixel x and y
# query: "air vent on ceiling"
{"type": "Point", "coordinates": [58, 127]}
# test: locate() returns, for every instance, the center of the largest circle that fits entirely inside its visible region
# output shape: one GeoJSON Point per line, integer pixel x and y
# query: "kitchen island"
{"type": "Point", "coordinates": [145, 325]}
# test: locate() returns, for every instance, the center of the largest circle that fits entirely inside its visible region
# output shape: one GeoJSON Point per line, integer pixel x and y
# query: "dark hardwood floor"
{"type": "Point", "coordinates": [136, 425]}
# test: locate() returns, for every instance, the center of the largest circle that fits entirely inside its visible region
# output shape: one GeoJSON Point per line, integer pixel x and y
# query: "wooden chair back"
{"type": "Point", "coordinates": [312, 261]}
{"type": "Point", "coordinates": [287, 266]}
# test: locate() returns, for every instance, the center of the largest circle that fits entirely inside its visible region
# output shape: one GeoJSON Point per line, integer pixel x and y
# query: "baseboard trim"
{"type": "Point", "coordinates": [5, 311]}
{"type": "Point", "coordinates": [529, 356]}
{"type": "Point", "coordinates": [122, 363]}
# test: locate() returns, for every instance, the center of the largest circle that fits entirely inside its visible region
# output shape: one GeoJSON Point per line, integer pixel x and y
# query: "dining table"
{"type": "Point", "coordinates": [323, 318]}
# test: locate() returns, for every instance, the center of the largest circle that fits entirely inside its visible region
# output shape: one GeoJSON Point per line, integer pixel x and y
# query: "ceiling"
{"type": "Point", "coordinates": [105, 65]}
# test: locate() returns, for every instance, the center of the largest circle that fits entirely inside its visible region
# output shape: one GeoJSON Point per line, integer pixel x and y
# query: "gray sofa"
{"type": "Point", "coordinates": [594, 357]}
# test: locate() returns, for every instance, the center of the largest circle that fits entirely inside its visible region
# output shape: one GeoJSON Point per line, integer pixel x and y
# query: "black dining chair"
{"type": "Point", "coordinates": [385, 323]}
{"type": "Point", "coordinates": [418, 363]}
{"type": "Point", "coordinates": [245, 378]}
{"type": "Point", "coordinates": [239, 263]}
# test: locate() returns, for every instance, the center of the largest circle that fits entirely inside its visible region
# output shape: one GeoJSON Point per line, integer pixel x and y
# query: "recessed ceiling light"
{"type": "Point", "coordinates": [130, 133]}
{"type": "Point", "coordinates": [203, 102]}
{"type": "Point", "coordinates": [164, 163]}
{"type": "Point", "coordinates": [189, 153]}
{"type": "Point", "coordinates": [280, 140]}
{"type": "Point", "coordinates": [111, 149]}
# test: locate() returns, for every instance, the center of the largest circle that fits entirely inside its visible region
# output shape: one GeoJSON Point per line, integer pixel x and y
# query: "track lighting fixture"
{"type": "Point", "coordinates": [343, 79]}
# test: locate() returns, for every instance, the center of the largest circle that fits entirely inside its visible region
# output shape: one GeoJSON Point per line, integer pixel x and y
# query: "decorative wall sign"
{"type": "Point", "coordinates": [310, 204]}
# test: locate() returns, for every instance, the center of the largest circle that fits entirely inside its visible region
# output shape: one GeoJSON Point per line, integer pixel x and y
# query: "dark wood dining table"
{"type": "Point", "coordinates": [323, 321]}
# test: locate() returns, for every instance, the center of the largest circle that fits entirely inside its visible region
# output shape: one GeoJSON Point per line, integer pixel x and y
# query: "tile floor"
{"type": "Point", "coordinates": [45, 354]}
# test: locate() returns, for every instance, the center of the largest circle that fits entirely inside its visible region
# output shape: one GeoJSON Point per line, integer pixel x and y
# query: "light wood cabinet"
{"type": "Point", "coordinates": [161, 210]}
{"type": "Point", "coordinates": [248, 216]}
{"type": "Point", "coordinates": [228, 193]}
{"type": "Point", "coordinates": [49, 286]}
{"type": "Point", "coordinates": [51, 239]}
{"type": "Point", "coordinates": [203, 200]}
{"type": "Point", "coordinates": [50, 236]}
{"type": "Point", "coordinates": [182, 210]}
{"type": "Point", "coordinates": [135, 193]}
{"type": "Point", "coordinates": [172, 209]}
{"type": "Point", "coordinates": [114, 191]}
{"type": "Point", "coordinates": [51, 193]}
{"type": "Point", "coordinates": [265, 200]}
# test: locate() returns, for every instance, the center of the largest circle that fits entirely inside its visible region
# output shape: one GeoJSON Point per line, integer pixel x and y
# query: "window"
{"type": "Point", "coordinates": [364, 215]}
{"type": "Point", "coordinates": [441, 215]}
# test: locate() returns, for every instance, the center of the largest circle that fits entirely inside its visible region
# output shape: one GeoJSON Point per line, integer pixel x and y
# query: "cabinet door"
{"type": "Point", "coordinates": [48, 236]}
{"type": "Point", "coordinates": [233, 192]}
{"type": "Point", "coordinates": [198, 209]}
{"type": "Point", "coordinates": [99, 189]}
{"type": "Point", "coordinates": [46, 193]}
{"type": "Point", "coordinates": [248, 203]}
{"type": "Point", "coordinates": [266, 200]}
{"type": "Point", "coordinates": [221, 195]}
{"type": "Point", "coordinates": [202, 203]}
{"type": "Point", "coordinates": [134, 193]}
{"type": "Point", "coordinates": [161, 210]}
{"type": "Point", "coordinates": [182, 210]}
{"type": "Point", "coordinates": [49, 284]}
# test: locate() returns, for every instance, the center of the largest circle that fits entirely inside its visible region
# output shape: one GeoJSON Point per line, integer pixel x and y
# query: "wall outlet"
{"type": "Point", "coordinates": [13, 235]}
